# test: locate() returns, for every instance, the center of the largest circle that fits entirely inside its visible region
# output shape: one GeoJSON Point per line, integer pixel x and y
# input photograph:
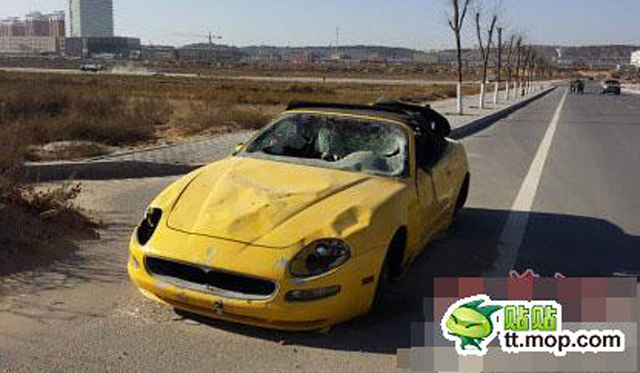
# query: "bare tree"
{"type": "Point", "coordinates": [520, 56]}
{"type": "Point", "coordinates": [456, 19]}
{"type": "Point", "coordinates": [514, 42]}
{"type": "Point", "coordinates": [531, 66]}
{"type": "Point", "coordinates": [485, 49]}
{"type": "Point", "coordinates": [499, 52]}
{"type": "Point", "coordinates": [526, 69]}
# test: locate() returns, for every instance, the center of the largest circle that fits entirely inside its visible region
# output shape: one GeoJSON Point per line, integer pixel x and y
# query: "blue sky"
{"type": "Point", "coordinates": [409, 23]}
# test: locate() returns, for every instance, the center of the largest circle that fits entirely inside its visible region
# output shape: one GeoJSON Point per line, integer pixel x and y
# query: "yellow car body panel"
{"type": "Point", "coordinates": [251, 217]}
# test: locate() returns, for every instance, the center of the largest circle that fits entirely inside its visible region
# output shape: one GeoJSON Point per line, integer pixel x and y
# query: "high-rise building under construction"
{"type": "Point", "coordinates": [90, 18]}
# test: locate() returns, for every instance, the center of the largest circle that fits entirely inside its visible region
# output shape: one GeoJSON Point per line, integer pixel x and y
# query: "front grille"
{"type": "Point", "coordinates": [209, 280]}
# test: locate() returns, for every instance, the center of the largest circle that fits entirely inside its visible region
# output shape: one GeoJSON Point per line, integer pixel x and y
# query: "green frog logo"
{"type": "Point", "coordinates": [470, 325]}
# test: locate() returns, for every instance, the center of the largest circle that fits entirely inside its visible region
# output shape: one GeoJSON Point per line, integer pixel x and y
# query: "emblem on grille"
{"type": "Point", "coordinates": [217, 307]}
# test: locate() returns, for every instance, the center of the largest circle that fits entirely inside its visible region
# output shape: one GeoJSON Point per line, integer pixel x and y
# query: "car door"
{"type": "Point", "coordinates": [445, 183]}
{"type": "Point", "coordinates": [427, 202]}
{"type": "Point", "coordinates": [421, 212]}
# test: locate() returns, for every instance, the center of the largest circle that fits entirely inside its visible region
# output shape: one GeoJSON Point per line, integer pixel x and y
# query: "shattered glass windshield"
{"type": "Point", "coordinates": [332, 141]}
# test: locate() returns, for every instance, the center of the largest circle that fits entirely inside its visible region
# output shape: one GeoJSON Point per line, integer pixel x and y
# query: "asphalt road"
{"type": "Point", "coordinates": [554, 188]}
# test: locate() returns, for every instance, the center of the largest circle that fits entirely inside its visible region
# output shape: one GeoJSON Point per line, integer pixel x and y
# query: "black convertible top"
{"type": "Point", "coordinates": [395, 107]}
{"type": "Point", "coordinates": [401, 110]}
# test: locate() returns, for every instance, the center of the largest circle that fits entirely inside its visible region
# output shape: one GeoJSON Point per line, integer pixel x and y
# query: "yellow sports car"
{"type": "Point", "coordinates": [302, 227]}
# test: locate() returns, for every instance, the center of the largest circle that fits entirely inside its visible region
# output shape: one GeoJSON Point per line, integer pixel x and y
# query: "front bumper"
{"type": "Point", "coordinates": [356, 278]}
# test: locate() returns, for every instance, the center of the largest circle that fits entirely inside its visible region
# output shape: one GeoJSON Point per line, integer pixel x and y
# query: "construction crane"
{"type": "Point", "coordinates": [210, 37]}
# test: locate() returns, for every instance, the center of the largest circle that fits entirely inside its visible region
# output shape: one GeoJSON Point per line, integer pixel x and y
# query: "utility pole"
{"type": "Point", "coordinates": [337, 52]}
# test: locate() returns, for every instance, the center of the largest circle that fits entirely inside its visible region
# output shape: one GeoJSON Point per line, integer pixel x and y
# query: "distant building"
{"type": "Point", "coordinates": [635, 59]}
{"type": "Point", "coordinates": [29, 45]}
{"type": "Point", "coordinates": [299, 57]}
{"type": "Point", "coordinates": [159, 53]}
{"type": "Point", "coordinates": [34, 24]}
{"type": "Point", "coordinates": [35, 34]}
{"type": "Point", "coordinates": [90, 19]}
{"type": "Point", "coordinates": [118, 47]}
{"type": "Point", "coordinates": [207, 54]}
{"type": "Point", "coordinates": [427, 57]}
{"type": "Point", "coordinates": [13, 26]}
{"type": "Point", "coordinates": [57, 24]}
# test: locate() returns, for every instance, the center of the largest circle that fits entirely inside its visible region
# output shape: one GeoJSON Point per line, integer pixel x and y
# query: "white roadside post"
{"type": "Point", "coordinates": [459, 99]}
{"type": "Point", "coordinates": [520, 89]}
{"type": "Point", "coordinates": [495, 93]}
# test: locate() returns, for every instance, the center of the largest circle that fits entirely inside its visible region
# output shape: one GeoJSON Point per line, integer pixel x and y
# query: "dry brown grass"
{"type": "Point", "coordinates": [211, 117]}
{"type": "Point", "coordinates": [45, 113]}
{"type": "Point", "coordinates": [37, 225]}
{"type": "Point", "coordinates": [133, 110]}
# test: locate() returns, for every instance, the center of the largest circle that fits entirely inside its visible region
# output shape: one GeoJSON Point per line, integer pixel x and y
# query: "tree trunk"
{"type": "Point", "coordinates": [507, 92]}
{"type": "Point", "coordinates": [459, 87]}
{"type": "Point", "coordinates": [459, 99]}
{"type": "Point", "coordinates": [499, 67]}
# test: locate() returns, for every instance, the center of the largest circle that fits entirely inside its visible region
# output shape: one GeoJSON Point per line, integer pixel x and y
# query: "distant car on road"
{"type": "Point", "coordinates": [90, 67]}
{"type": "Point", "coordinates": [611, 86]}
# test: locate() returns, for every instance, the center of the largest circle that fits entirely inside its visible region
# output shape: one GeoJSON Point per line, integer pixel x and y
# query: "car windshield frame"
{"type": "Point", "coordinates": [252, 149]}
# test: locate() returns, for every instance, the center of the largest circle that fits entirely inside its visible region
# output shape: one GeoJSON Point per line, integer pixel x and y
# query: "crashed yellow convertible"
{"type": "Point", "coordinates": [304, 225]}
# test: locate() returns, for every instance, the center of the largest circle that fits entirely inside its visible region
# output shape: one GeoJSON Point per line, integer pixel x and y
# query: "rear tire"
{"type": "Point", "coordinates": [463, 195]}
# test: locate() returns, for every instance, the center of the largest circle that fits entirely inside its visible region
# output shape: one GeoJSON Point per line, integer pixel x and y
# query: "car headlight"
{"type": "Point", "coordinates": [320, 257]}
{"type": "Point", "coordinates": [148, 225]}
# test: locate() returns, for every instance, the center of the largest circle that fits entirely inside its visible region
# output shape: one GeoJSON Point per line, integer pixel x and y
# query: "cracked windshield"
{"type": "Point", "coordinates": [340, 142]}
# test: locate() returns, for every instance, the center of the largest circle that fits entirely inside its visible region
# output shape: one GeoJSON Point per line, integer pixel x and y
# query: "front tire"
{"type": "Point", "coordinates": [463, 195]}
{"type": "Point", "coordinates": [391, 269]}
{"type": "Point", "coordinates": [381, 286]}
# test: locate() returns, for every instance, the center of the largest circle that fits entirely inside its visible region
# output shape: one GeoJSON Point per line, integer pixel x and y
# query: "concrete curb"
{"type": "Point", "coordinates": [41, 173]}
{"type": "Point", "coordinates": [106, 157]}
{"type": "Point", "coordinates": [100, 168]}
{"type": "Point", "coordinates": [479, 124]}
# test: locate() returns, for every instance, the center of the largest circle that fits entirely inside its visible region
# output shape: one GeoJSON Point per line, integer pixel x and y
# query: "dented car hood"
{"type": "Point", "coordinates": [245, 200]}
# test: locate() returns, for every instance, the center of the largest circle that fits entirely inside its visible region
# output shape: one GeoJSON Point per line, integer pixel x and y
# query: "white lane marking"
{"type": "Point", "coordinates": [515, 227]}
